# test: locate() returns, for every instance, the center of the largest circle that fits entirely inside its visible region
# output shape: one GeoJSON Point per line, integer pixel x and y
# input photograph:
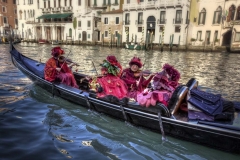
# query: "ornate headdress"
{"type": "Point", "coordinates": [56, 51]}
{"type": "Point", "coordinates": [137, 61]}
{"type": "Point", "coordinates": [112, 66]}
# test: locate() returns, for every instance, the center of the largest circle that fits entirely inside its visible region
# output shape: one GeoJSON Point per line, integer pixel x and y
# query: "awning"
{"type": "Point", "coordinates": [49, 16]}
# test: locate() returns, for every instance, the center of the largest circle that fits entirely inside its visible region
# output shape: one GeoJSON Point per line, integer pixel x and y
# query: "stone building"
{"type": "Point", "coordinates": [8, 17]}
{"type": "Point", "coordinates": [215, 23]}
{"type": "Point", "coordinates": [164, 20]}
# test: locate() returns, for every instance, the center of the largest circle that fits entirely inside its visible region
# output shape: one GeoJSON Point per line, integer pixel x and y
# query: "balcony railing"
{"type": "Point", "coordinates": [5, 25]}
{"type": "Point", "coordinates": [46, 10]}
{"type": "Point", "coordinates": [67, 9]}
{"type": "Point", "coordinates": [177, 21]}
{"type": "Point", "coordinates": [56, 9]}
{"type": "Point", "coordinates": [152, 4]}
{"type": "Point", "coordinates": [161, 21]}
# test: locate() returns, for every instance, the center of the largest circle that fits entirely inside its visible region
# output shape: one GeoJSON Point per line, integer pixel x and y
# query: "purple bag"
{"type": "Point", "coordinates": [209, 103]}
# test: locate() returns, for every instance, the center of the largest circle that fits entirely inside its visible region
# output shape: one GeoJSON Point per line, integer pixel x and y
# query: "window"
{"type": "Point", "coordinates": [79, 24]}
{"type": "Point", "coordinates": [199, 35]}
{"type": "Point", "coordinates": [237, 37]}
{"type": "Point", "coordinates": [70, 2]}
{"type": "Point", "coordinates": [54, 4]}
{"type": "Point", "coordinates": [238, 14]}
{"type": "Point", "coordinates": [49, 6]}
{"type": "Point", "coordinates": [16, 22]}
{"type": "Point", "coordinates": [231, 13]}
{"type": "Point", "coordinates": [177, 29]}
{"type": "Point", "coordinates": [65, 3]}
{"type": "Point", "coordinates": [4, 9]}
{"type": "Point", "coordinates": [187, 18]}
{"type": "Point", "coordinates": [140, 18]}
{"type": "Point", "coordinates": [88, 23]}
{"type": "Point", "coordinates": [59, 3]}
{"type": "Point", "coordinates": [38, 4]}
{"type": "Point", "coordinates": [79, 2]}
{"type": "Point", "coordinates": [79, 36]}
{"type": "Point", "coordinates": [160, 28]}
{"type": "Point", "coordinates": [15, 11]}
{"type": "Point", "coordinates": [117, 20]}
{"type": "Point", "coordinates": [139, 29]}
{"type": "Point", "coordinates": [88, 36]}
{"type": "Point", "coordinates": [162, 17]}
{"type": "Point", "coordinates": [5, 20]}
{"type": "Point", "coordinates": [14, 1]}
{"type": "Point", "coordinates": [127, 20]}
{"type": "Point", "coordinates": [116, 33]}
{"type": "Point", "coordinates": [106, 34]}
{"type": "Point", "coordinates": [70, 32]}
{"type": "Point", "coordinates": [105, 20]}
{"type": "Point", "coordinates": [128, 1]}
{"type": "Point", "coordinates": [202, 16]}
{"type": "Point", "coordinates": [217, 15]}
{"type": "Point", "coordinates": [44, 4]}
{"type": "Point", "coordinates": [178, 18]}
{"type": "Point", "coordinates": [208, 33]}
{"type": "Point", "coordinates": [215, 36]}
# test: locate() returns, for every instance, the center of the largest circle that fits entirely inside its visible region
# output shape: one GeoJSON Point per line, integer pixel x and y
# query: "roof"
{"type": "Point", "coordinates": [49, 16]}
{"type": "Point", "coordinates": [113, 12]}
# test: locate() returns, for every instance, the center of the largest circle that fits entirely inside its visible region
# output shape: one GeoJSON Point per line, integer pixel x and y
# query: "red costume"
{"type": "Point", "coordinates": [129, 77]}
{"type": "Point", "coordinates": [110, 82]}
{"type": "Point", "coordinates": [65, 75]}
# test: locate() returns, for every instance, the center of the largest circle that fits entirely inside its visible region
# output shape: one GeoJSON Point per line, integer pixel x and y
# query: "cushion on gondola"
{"type": "Point", "coordinates": [207, 102]}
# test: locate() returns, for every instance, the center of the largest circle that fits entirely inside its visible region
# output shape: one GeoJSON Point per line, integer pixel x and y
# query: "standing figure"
{"type": "Point", "coordinates": [57, 69]}
{"type": "Point", "coordinates": [109, 83]}
{"type": "Point", "coordinates": [134, 78]}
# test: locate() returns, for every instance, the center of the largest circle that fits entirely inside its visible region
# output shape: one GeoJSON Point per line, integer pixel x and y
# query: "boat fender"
{"type": "Point", "coordinates": [124, 113]}
{"type": "Point", "coordinates": [127, 46]}
{"type": "Point", "coordinates": [135, 46]}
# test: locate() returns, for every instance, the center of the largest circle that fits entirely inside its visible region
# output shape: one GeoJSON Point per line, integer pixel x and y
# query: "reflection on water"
{"type": "Point", "coordinates": [35, 125]}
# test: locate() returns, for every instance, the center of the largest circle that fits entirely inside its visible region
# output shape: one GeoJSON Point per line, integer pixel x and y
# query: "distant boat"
{"type": "Point", "coordinates": [42, 41]}
{"type": "Point", "coordinates": [134, 46]}
{"type": "Point", "coordinates": [56, 42]}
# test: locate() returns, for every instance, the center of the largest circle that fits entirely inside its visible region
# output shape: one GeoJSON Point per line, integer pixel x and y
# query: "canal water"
{"type": "Point", "coordinates": [35, 125]}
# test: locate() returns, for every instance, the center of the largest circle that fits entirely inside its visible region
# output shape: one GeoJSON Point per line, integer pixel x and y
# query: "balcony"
{"type": "Point", "coordinates": [67, 9]}
{"type": "Point", "coordinates": [152, 4]}
{"type": "Point", "coordinates": [5, 25]}
{"type": "Point", "coordinates": [161, 21]}
{"type": "Point", "coordinates": [177, 21]}
{"type": "Point", "coordinates": [46, 10]}
{"type": "Point", "coordinates": [30, 21]}
{"type": "Point", "coordinates": [56, 9]}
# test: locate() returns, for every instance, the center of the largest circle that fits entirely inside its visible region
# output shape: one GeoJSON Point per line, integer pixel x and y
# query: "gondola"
{"type": "Point", "coordinates": [159, 118]}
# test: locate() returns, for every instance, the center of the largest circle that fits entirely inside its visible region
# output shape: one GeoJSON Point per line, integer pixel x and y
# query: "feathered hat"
{"type": "Point", "coordinates": [172, 72]}
{"type": "Point", "coordinates": [56, 51]}
{"type": "Point", "coordinates": [112, 66]}
{"type": "Point", "coordinates": [136, 61]}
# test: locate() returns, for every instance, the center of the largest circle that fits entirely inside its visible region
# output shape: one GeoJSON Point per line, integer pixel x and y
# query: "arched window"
{"type": "Point", "coordinates": [20, 13]}
{"type": "Point", "coordinates": [24, 15]}
{"type": "Point", "coordinates": [231, 13]}
{"type": "Point", "coordinates": [33, 13]}
{"type": "Point", "coordinates": [70, 32]}
{"type": "Point", "coordinates": [238, 13]}
{"type": "Point", "coordinates": [202, 16]}
{"type": "Point", "coordinates": [217, 15]}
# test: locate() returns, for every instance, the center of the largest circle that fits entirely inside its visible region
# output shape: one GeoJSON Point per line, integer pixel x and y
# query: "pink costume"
{"type": "Point", "coordinates": [110, 82]}
{"type": "Point", "coordinates": [131, 80]}
{"type": "Point", "coordinates": [65, 75]}
{"type": "Point", "coordinates": [164, 84]}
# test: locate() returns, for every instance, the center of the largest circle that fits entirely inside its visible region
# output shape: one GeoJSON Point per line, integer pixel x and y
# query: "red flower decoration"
{"type": "Point", "coordinates": [112, 60]}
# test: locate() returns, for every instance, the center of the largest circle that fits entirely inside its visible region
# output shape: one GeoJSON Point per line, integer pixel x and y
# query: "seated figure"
{"type": "Point", "coordinates": [134, 78]}
{"type": "Point", "coordinates": [109, 82]}
{"type": "Point", "coordinates": [58, 70]}
{"type": "Point", "coordinates": [163, 85]}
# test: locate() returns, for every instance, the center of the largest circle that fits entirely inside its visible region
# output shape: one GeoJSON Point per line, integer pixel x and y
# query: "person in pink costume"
{"type": "Point", "coordinates": [134, 78]}
{"type": "Point", "coordinates": [109, 83]}
{"type": "Point", "coordinates": [164, 84]}
{"type": "Point", "coordinates": [58, 70]}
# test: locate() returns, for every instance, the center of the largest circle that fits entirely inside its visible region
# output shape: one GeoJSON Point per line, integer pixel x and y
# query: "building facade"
{"type": "Point", "coordinates": [8, 17]}
{"type": "Point", "coordinates": [214, 23]}
{"type": "Point", "coordinates": [164, 20]}
{"type": "Point", "coordinates": [63, 20]}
